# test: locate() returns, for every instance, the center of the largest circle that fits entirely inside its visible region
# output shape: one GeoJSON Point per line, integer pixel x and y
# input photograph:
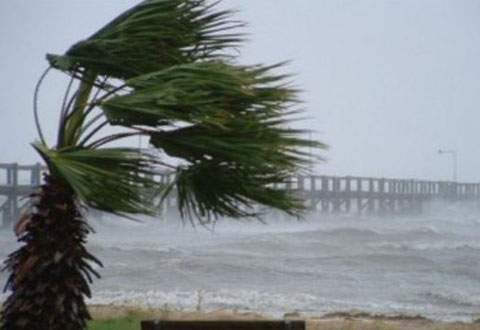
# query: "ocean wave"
{"type": "Point", "coordinates": [349, 232]}
{"type": "Point", "coordinates": [424, 246]}
{"type": "Point", "coordinates": [362, 233]}
{"type": "Point", "coordinates": [208, 300]}
{"type": "Point", "coordinates": [429, 231]}
{"type": "Point", "coordinates": [136, 247]}
{"type": "Point", "coordinates": [452, 298]}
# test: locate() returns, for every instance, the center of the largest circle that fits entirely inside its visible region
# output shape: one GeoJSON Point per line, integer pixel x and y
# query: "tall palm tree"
{"type": "Point", "coordinates": [165, 70]}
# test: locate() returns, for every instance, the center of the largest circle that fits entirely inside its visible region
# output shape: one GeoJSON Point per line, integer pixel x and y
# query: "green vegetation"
{"type": "Point", "coordinates": [125, 323]}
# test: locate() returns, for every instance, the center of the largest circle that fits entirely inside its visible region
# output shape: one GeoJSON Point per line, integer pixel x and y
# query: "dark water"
{"type": "Point", "coordinates": [428, 266]}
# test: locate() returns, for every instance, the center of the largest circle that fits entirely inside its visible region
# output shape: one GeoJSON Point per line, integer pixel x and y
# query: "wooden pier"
{"type": "Point", "coordinates": [379, 195]}
{"type": "Point", "coordinates": [328, 194]}
{"type": "Point", "coordinates": [16, 183]}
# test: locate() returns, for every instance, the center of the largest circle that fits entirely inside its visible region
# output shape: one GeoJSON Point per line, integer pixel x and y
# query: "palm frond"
{"type": "Point", "coordinates": [204, 92]}
{"type": "Point", "coordinates": [210, 189]}
{"type": "Point", "coordinates": [244, 141]}
{"type": "Point", "coordinates": [152, 36]}
{"type": "Point", "coordinates": [236, 132]}
{"type": "Point", "coordinates": [116, 180]}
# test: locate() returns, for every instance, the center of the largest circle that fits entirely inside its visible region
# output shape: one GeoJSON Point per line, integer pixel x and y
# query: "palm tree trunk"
{"type": "Point", "coordinates": [50, 273]}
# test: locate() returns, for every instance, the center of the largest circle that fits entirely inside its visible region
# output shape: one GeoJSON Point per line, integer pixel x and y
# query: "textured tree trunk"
{"type": "Point", "coordinates": [50, 274]}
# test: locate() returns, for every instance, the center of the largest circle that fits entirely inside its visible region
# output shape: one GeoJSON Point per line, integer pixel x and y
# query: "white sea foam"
{"type": "Point", "coordinates": [208, 300]}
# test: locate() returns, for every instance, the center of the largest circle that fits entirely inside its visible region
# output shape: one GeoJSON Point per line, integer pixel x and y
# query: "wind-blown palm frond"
{"type": "Point", "coordinates": [235, 125]}
{"type": "Point", "coordinates": [255, 145]}
{"type": "Point", "coordinates": [233, 168]}
{"type": "Point", "coordinates": [152, 36]}
{"type": "Point", "coordinates": [211, 189]}
{"type": "Point", "coordinates": [116, 180]}
{"type": "Point", "coordinates": [202, 92]}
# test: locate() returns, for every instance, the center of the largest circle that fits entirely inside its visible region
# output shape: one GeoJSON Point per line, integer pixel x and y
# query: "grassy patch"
{"type": "Point", "coordinates": [125, 323]}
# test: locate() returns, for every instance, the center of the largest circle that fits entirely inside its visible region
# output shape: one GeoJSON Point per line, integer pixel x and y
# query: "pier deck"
{"type": "Point", "coordinates": [328, 194]}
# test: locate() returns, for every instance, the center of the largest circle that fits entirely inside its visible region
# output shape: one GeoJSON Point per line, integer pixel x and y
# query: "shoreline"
{"type": "Point", "coordinates": [338, 320]}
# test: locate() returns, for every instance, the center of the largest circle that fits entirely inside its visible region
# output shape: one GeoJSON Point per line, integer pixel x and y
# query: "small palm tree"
{"type": "Point", "coordinates": [164, 70]}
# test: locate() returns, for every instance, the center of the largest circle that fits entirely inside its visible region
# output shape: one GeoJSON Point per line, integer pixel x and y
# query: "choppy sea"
{"type": "Point", "coordinates": [428, 265]}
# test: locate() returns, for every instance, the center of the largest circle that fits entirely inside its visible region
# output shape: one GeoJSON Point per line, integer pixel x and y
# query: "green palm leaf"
{"type": "Point", "coordinates": [152, 36]}
{"type": "Point", "coordinates": [116, 180]}
{"type": "Point", "coordinates": [211, 189]}
{"type": "Point", "coordinates": [249, 146]}
{"type": "Point", "coordinates": [202, 92]}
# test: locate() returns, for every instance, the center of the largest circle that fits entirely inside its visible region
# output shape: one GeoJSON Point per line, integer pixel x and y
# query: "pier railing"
{"type": "Point", "coordinates": [330, 194]}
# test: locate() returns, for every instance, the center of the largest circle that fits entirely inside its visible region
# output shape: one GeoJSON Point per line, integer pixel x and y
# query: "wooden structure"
{"type": "Point", "coordinates": [223, 325]}
{"type": "Point", "coordinates": [379, 195]}
{"type": "Point", "coordinates": [16, 183]}
{"type": "Point", "coordinates": [327, 194]}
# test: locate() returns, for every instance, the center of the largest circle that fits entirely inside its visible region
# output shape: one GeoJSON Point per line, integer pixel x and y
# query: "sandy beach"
{"type": "Point", "coordinates": [337, 321]}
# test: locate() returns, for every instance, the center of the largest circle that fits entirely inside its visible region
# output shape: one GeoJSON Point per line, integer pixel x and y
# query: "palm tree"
{"type": "Point", "coordinates": [165, 70]}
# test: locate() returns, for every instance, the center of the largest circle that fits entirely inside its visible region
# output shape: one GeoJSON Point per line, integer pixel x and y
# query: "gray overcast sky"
{"type": "Point", "coordinates": [387, 82]}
